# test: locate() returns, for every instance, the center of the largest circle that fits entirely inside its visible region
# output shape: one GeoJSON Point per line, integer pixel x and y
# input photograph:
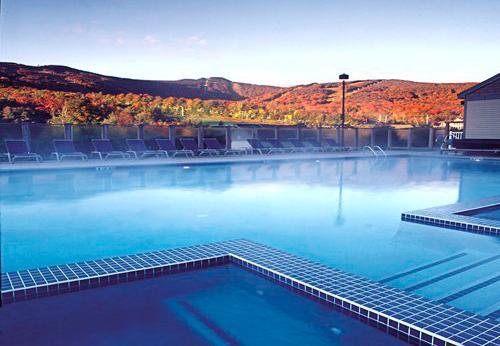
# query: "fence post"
{"type": "Point", "coordinates": [140, 131]}
{"type": "Point", "coordinates": [356, 137]}
{"type": "Point", "coordinates": [276, 133]}
{"type": "Point", "coordinates": [372, 137]}
{"type": "Point", "coordinates": [105, 131]}
{"type": "Point", "coordinates": [200, 137]}
{"type": "Point", "coordinates": [431, 137]}
{"type": "Point", "coordinates": [409, 140]}
{"type": "Point", "coordinates": [319, 134]}
{"type": "Point", "coordinates": [228, 137]}
{"type": "Point", "coordinates": [299, 132]}
{"type": "Point", "coordinates": [68, 132]}
{"type": "Point", "coordinates": [254, 133]}
{"type": "Point", "coordinates": [171, 133]}
{"type": "Point", "coordinates": [26, 134]}
{"type": "Point", "coordinates": [389, 137]}
{"type": "Point", "coordinates": [337, 133]}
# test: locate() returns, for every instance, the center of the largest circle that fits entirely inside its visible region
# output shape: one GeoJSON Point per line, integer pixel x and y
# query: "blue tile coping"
{"type": "Point", "coordinates": [415, 319]}
{"type": "Point", "coordinates": [453, 216]}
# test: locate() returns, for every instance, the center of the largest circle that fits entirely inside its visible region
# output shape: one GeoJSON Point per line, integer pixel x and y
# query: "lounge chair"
{"type": "Point", "coordinates": [312, 145]}
{"type": "Point", "coordinates": [66, 148]}
{"type": "Point", "coordinates": [137, 148]}
{"type": "Point", "coordinates": [332, 145]}
{"type": "Point", "coordinates": [104, 149]}
{"type": "Point", "coordinates": [258, 146]}
{"type": "Point", "coordinates": [167, 146]}
{"type": "Point", "coordinates": [297, 145]}
{"type": "Point", "coordinates": [18, 149]}
{"type": "Point", "coordinates": [275, 146]}
{"type": "Point", "coordinates": [190, 144]}
{"type": "Point", "coordinates": [213, 143]}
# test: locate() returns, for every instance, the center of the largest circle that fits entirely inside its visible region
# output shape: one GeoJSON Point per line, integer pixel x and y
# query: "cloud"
{"type": "Point", "coordinates": [119, 41]}
{"type": "Point", "coordinates": [150, 40]}
{"type": "Point", "coordinates": [196, 40]}
{"type": "Point", "coordinates": [78, 28]}
{"type": "Point", "coordinates": [116, 40]}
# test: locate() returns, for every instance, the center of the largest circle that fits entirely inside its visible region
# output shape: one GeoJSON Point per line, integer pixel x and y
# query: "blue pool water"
{"type": "Point", "coordinates": [217, 306]}
{"type": "Point", "coordinates": [343, 213]}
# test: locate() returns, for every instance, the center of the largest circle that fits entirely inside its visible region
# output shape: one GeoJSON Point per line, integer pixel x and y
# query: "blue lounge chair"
{"type": "Point", "coordinates": [275, 146]}
{"type": "Point", "coordinates": [293, 145]}
{"type": "Point", "coordinates": [66, 148]}
{"type": "Point", "coordinates": [104, 149]}
{"type": "Point", "coordinates": [312, 145]}
{"type": "Point", "coordinates": [137, 148]}
{"type": "Point", "coordinates": [18, 149]}
{"type": "Point", "coordinates": [258, 146]}
{"type": "Point", "coordinates": [331, 145]}
{"type": "Point", "coordinates": [213, 143]}
{"type": "Point", "coordinates": [167, 146]}
{"type": "Point", "coordinates": [190, 144]}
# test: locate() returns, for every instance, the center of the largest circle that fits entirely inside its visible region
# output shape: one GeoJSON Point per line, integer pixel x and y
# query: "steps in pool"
{"type": "Point", "coordinates": [421, 268]}
{"type": "Point", "coordinates": [395, 311]}
{"type": "Point", "coordinates": [470, 289]}
{"type": "Point", "coordinates": [452, 273]}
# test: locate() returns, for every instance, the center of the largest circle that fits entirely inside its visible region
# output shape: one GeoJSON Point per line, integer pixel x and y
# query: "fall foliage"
{"type": "Point", "coordinates": [62, 95]}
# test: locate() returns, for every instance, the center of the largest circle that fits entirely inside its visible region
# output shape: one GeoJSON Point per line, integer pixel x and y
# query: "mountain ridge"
{"type": "Point", "coordinates": [64, 78]}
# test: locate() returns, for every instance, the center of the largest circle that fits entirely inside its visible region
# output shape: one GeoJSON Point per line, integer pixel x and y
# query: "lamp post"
{"type": "Point", "coordinates": [343, 77]}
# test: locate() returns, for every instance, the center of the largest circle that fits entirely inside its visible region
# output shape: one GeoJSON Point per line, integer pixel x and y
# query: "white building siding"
{"type": "Point", "coordinates": [482, 119]}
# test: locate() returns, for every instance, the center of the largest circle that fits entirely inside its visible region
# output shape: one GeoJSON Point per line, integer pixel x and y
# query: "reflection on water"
{"type": "Point", "coordinates": [368, 174]}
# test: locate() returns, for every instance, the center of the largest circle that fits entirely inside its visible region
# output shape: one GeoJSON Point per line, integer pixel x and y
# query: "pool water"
{"type": "Point", "coordinates": [218, 306]}
{"type": "Point", "coordinates": [343, 213]}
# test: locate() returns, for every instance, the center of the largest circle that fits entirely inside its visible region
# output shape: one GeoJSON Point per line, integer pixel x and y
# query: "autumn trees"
{"type": "Point", "coordinates": [368, 102]}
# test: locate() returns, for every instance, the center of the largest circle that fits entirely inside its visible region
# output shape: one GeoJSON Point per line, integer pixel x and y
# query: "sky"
{"type": "Point", "coordinates": [275, 42]}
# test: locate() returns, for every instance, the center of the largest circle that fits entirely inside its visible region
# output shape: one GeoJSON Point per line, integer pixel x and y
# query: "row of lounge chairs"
{"type": "Point", "coordinates": [103, 148]}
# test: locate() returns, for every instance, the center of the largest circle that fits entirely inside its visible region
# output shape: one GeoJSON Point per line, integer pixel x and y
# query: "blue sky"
{"type": "Point", "coordinates": [275, 42]}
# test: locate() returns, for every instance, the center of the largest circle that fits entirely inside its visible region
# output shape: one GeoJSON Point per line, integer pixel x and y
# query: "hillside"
{"type": "Point", "coordinates": [369, 100]}
{"type": "Point", "coordinates": [62, 78]}
{"type": "Point", "coordinates": [62, 94]}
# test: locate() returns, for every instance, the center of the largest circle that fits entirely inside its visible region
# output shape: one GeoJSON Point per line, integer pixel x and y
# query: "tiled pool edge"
{"type": "Point", "coordinates": [448, 216]}
{"type": "Point", "coordinates": [361, 297]}
{"type": "Point", "coordinates": [42, 282]}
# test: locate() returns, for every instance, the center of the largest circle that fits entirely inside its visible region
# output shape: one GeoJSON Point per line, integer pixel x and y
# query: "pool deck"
{"type": "Point", "coordinates": [93, 163]}
{"type": "Point", "coordinates": [181, 161]}
{"type": "Point", "coordinates": [408, 316]}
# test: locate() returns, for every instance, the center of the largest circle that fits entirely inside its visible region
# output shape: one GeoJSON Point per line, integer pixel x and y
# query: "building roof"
{"type": "Point", "coordinates": [479, 86]}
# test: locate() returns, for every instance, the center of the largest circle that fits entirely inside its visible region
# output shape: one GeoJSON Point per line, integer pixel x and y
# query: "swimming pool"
{"type": "Point", "coordinates": [342, 213]}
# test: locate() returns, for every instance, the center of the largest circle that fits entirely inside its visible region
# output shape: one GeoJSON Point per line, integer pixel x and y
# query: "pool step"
{"type": "Point", "coordinates": [202, 325]}
{"type": "Point", "coordinates": [452, 273]}
{"type": "Point", "coordinates": [468, 290]}
{"type": "Point", "coordinates": [421, 268]}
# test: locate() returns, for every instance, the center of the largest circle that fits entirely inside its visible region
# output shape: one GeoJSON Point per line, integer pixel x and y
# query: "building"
{"type": "Point", "coordinates": [482, 110]}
